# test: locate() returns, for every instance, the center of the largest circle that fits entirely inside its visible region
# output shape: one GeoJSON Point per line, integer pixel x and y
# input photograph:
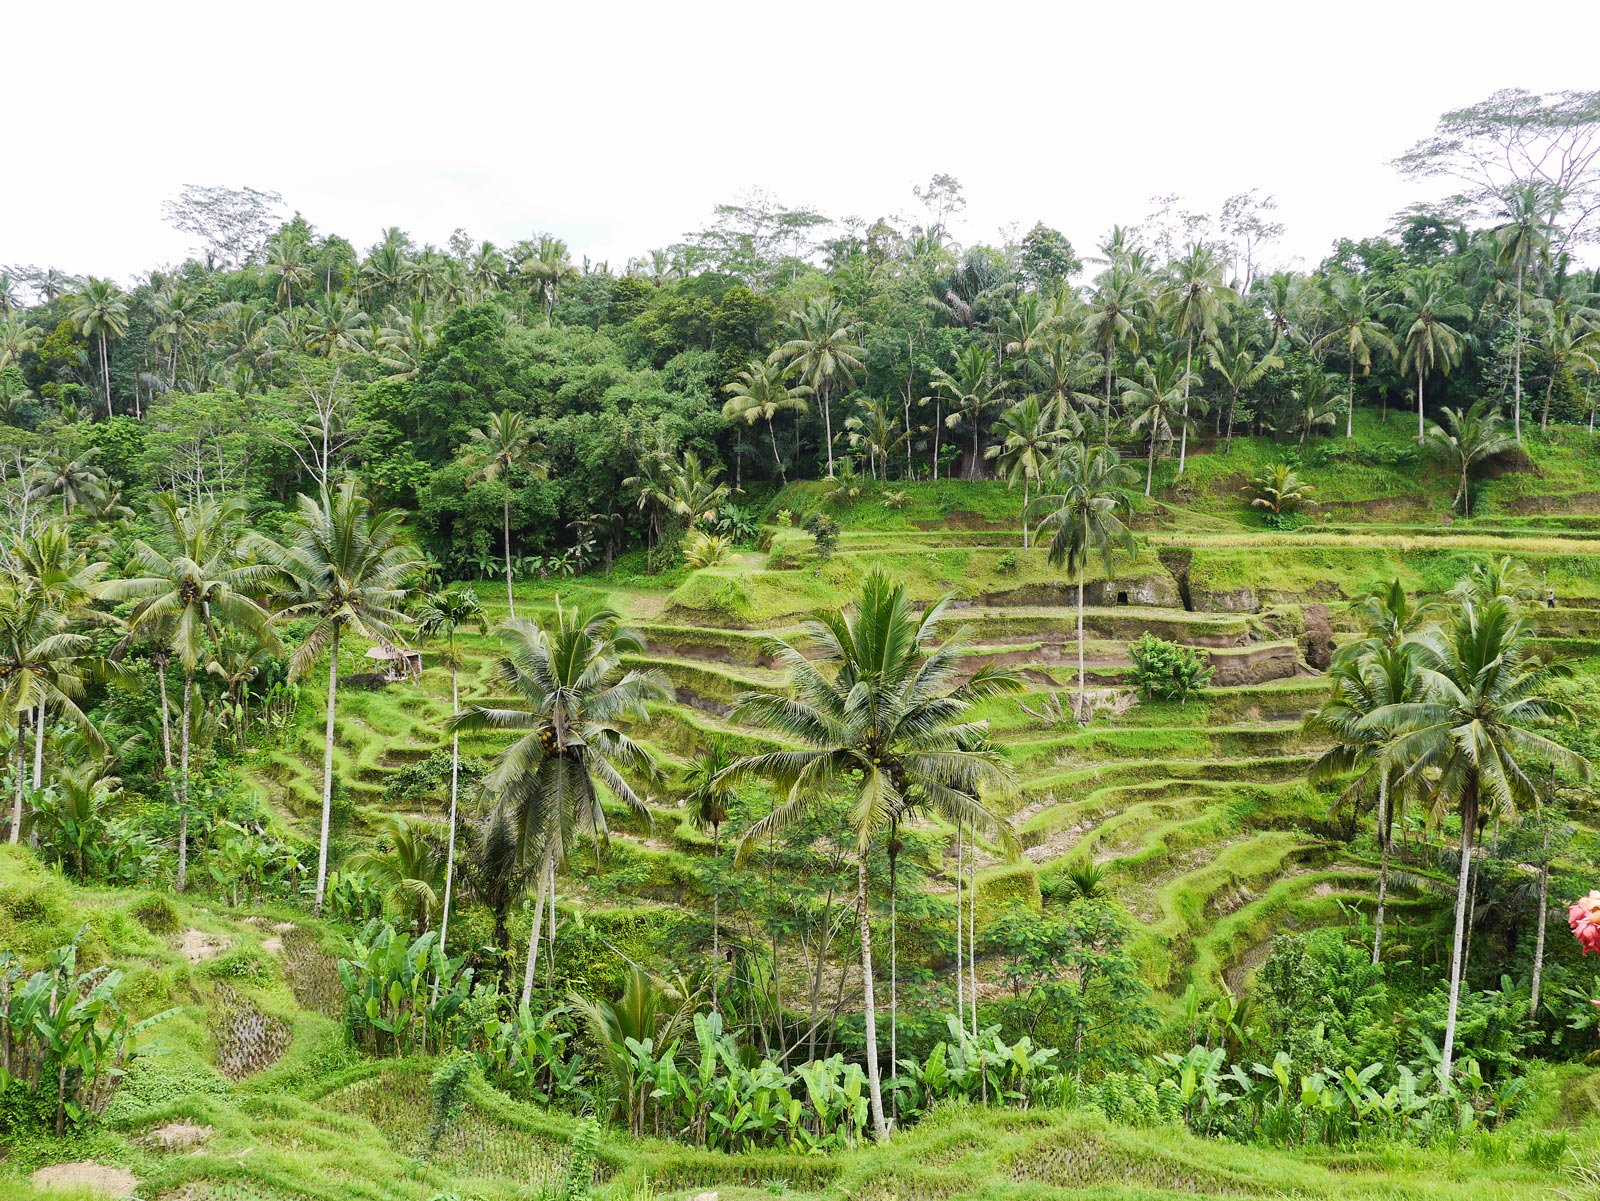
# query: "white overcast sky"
{"type": "Point", "coordinates": [618, 127]}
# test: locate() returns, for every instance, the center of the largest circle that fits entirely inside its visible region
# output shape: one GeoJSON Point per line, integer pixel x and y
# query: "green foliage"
{"type": "Point", "coordinates": [392, 1004]}
{"type": "Point", "coordinates": [447, 1094]}
{"type": "Point", "coordinates": [1165, 671]}
{"type": "Point", "coordinates": [580, 1161]}
{"type": "Point", "coordinates": [824, 531]}
{"type": "Point", "coordinates": [64, 1040]}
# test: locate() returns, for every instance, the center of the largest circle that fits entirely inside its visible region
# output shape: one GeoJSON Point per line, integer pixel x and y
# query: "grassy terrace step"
{"type": "Point", "coordinates": [700, 683]}
{"type": "Point", "coordinates": [1271, 770]}
{"type": "Point", "coordinates": [1057, 747]}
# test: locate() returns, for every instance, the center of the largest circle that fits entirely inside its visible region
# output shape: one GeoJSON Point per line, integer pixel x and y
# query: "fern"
{"type": "Point", "coordinates": [447, 1089]}
{"type": "Point", "coordinates": [580, 1161]}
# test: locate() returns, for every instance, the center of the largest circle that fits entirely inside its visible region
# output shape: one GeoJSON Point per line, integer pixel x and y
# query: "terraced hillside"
{"type": "Point", "coordinates": [1199, 813]}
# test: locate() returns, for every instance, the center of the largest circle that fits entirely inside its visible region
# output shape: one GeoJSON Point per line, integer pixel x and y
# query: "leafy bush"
{"type": "Point", "coordinates": [527, 1056]}
{"type": "Point", "coordinates": [1165, 671]}
{"type": "Point", "coordinates": [393, 1004]}
{"type": "Point", "coordinates": [706, 550]}
{"type": "Point", "coordinates": [1006, 564]}
{"type": "Point", "coordinates": [430, 777]}
{"type": "Point", "coordinates": [825, 530]}
{"type": "Point", "coordinates": [62, 1033]}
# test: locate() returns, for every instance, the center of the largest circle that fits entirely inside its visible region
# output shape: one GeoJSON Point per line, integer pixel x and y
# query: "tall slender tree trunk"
{"type": "Point", "coordinates": [938, 421]}
{"type": "Point", "coordinates": [16, 808]}
{"type": "Point", "coordinates": [1350, 403]}
{"type": "Point", "coordinates": [1421, 433]}
{"type": "Point", "coordinates": [880, 1129]}
{"type": "Point", "coordinates": [777, 460]}
{"type": "Point", "coordinates": [1024, 508]}
{"type": "Point", "coordinates": [505, 532]}
{"type": "Point", "coordinates": [1150, 464]}
{"type": "Point", "coordinates": [455, 783]}
{"type": "Point", "coordinates": [105, 372]}
{"type": "Point", "coordinates": [1516, 354]}
{"type": "Point", "coordinates": [187, 718]}
{"type": "Point", "coordinates": [961, 979]}
{"type": "Point", "coordinates": [827, 425]}
{"type": "Point", "coordinates": [1233, 407]}
{"type": "Point", "coordinates": [1469, 822]}
{"type": "Point", "coordinates": [972, 934]}
{"type": "Point", "coordinates": [327, 772]}
{"type": "Point", "coordinates": [1183, 434]}
{"type": "Point", "coordinates": [1544, 912]}
{"type": "Point", "coordinates": [716, 914]}
{"type": "Point", "coordinates": [1383, 872]}
{"type": "Point", "coordinates": [1083, 685]}
{"type": "Point", "coordinates": [538, 921]}
{"type": "Point", "coordinates": [977, 416]}
{"type": "Point", "coordinates": [894, 967]}
{"type": "Point", "coordinates": [1544, 413]}
{"type": "Point", "coordinates": [38, 746]}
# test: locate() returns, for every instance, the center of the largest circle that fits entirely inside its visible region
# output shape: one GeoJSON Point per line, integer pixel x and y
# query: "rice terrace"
{"type": "Point", "coordinates": [826, 709]}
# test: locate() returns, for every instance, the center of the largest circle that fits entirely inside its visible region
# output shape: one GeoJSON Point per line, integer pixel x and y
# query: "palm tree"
{"type": "Point", "coordinates": [1240, 367]}
{"type": "Point", "coordinates": [1464, 440]}
{"type": "Point", "coordinates": [1194, 302]}
{"type": "Point", "coordinates": [17, 338]}
{"type": "Point", "coordinates": [177, 325]}
{"type": "Point", "coordinates": [1363, 686]}
{"type": "Point", "coordinates": [1571, 337]}
{"type": "Point", "coordinates": [694, 491]}
{"type": "Point", "coordinates": [1356, 332]}
{"type": "Point", "coordinates": [876, 432]}
{"type": "Point", "coordinates": [822, 351]}
{"type": "Point", "coordinates": [654, 483]}
{"type": "Point", "coordinates": [569, 691]}
{"type": "Point", "coordinates": [880, 718]}
{"type": "Point", "coordinates": [1279, 490]}
{"type": "Point", "coordinates": [192, 579]}
{"type": "Point", "coordinates": [548, 268]}
{"type": "Point", "coordinates": [1521, 241]}
{"type": "Point", "coordinates": [1028, 443]}
{"type": "Point", "coordinates": [502, 445]}
{"type": "Point", "coordinates": [76, 479]}
{"type": "Point", "coordinates": [707, 796]}
{"type": "Point", "coordinates": [759, 393]}
{"type": "Point", "coordinates": [1088, 508]}
{"type": "Point", "coordinates": [1156, 402]}
{"type": "Point", "coordinates": [1315, 405]}
{"type": "Point", "coordinates": [1474, 736]}
{"type": "Point", "coordinates": [971, 390]}
{"type": "Point", "coordinates": [1429, 342]}
{"type": "Point", "coordinates": [347, 565]}
{"type": "Point", "coordinates": [404, 866]}
{"type": "Point", "coordinates": [494, 871]}
{"type": "Point", "coordinates": [41, 664]}
{"type": "Point", "coordinates": [1109, 323]}
{"type": "Point", "coordinates": [287, 267]}
{"type": "Point", "coordinates": [99, 311]}
{"type": "Point", "coordinates": [443, 615]}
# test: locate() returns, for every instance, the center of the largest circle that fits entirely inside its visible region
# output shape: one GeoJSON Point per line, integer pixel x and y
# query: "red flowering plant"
{"type": "Point", "coordinates": [1584, 918]}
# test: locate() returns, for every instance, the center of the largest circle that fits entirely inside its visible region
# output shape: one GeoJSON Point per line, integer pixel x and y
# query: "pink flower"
{"type": "Point", "coordinates": [1584, 918]}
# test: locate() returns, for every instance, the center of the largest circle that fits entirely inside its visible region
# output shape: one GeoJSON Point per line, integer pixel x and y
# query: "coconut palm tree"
{"type": "Point", "coordinates": [443, 615]}
{"type": "Point", "coordinates": [1521, 241]}
{"type": "Point", "coordinates": [1428, 341]}
{"type": "Point", "coordinates": [822, 351]}
{"type": "Point", "coordinates": [971, 390]}
{"type": "Point", "coordinates": [876, 432]}
{"type": "Point", "coordinates": [1088, 509]}
{"type": "Point", "coordinates": [191, 580]}
{"type": "Point", "coordinates": [759, 393]}
{"type": "Point", "coordinates": [1279, 490]}
{"type": "Point", "coordinates": [654, 483]}
{"type": "Point", "coordinates": [1241, 366]}
{"type": "Point", "coordinates": [1028, 444]}
{"type": "Point", "coordinates": [75, 478]}
{"type": "Point", "coordinates": [1194, 299]}
{"type": "Point", "coordinates": [1156, 401]}
{"type": "Point", "coordinates": [549, 267]}
{"type": "Point", "coordinates": [1463, 440]}
{"type": "Point", "coordinates": [286, 266]}
{"type": "Point", "coordinates": [347, 564]}
{"type": "Point", "coordinates": [1571, 336]}
{"type": "Point", "coordinates": [177, 315]}
{"type": "Point", "coordinates": [569, 690]}
{"type": "Point", "coordinates": [494, 871]}
{"type": "Point", "coordinates": [1474, 739]}
{"type": "Point", "coordinates": [707, 795]}
{"type": "Point", "coordinates": [1316, 404]}
{"type": "Point", "coordinates": [17, 338]}
{"type": "Point", "coordinates": [879, 718]}
{"type": "Point", "coordinates": [1352, 307]}
{"type": "Point", "coordinates": [504, 444]}
{"type": "Point", "coordinates": [694, 489]}
{"type": "Point", "coordinates": [335, 325]}
{"type": "Point", "coordinates": [99, 311]}
{"type": "Point", "coordinates": [1363, 686]}
{"type": "Point", "coordinates": [1119, 292]}
{"type": "Point", "coordinates": [404, 866]}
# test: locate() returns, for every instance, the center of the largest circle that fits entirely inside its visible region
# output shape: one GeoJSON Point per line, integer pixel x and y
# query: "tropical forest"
{"type": "Point", "coordinates": [820, 709]}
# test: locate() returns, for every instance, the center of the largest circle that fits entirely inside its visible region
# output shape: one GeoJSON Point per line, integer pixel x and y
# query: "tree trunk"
{"type": "Point", "coordinates": [455, 782]}
{"type": "Point", "coordinates": [1383, 872]}
{"type": "Point", "coordinates": [972, 933]}
{"type": "Point", "coordinates": [977, 415]}
{"type": "Point", "coordinates": [1350, 403]}
{"type": "Point", "coordinates": [534, 932]}
{"type": "Point", "coordinates": [880, 1130]}
{"type": "Point", "coordinates": [1516, 354]}
{"type": "Point", "coordinates": [1083, 687]}
{"type": "Point", "coordinates": [105, 373]}
{"type": "Point", "coordinates": [1544, 413]}
{"type": "Point", "coordinates": [38, 746]}
{"type": "Point", "coordinates": [1233, 405]}
{"type": "Point", "coordinates": [827, 425]}
{"type": "Point", "coordinates": [505, 518]}
{"type": "Point", "coordinates": [961, 979]}
{"type": "Point", "coordinates": [1469, 821]}
{"type": "Point", "coordinates": [1024, 508]}
{"type": "Point", "coordinates": [1421, 433]}
{"type": "Point", "coordinates": [716, 897]}
{"type": "Point", "coordinates": [937, 423]}
{"type": "Point", "coordinates": [777, 460]}
{"type": "Point", "coordinates": [1183, 434]}
{"type": "Point", "coordinates": [1538, 945]}
{"type": "Point", "coordinates": [1150, 465]}
{"type": "Point", "coordinates": [16, 809]}
{"type": "Point", "coordinates": [894, 968]}
{"type": "Point", "coordinates": [327, 773]}
{"type": "Point", "coordinates": [187, 718]}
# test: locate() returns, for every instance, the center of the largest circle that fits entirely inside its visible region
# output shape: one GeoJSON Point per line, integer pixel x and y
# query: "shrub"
{"type": "Point", "coordinates": [1165, 671]}
{"type": "Point", "coordinates": [706, 550]}
{"type": "Point", "coordinates": [389, 989]}
{"type": "Point", "coordinates": [826, 532]}
{"type": "Point", "coordinates": [1006, 564]}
